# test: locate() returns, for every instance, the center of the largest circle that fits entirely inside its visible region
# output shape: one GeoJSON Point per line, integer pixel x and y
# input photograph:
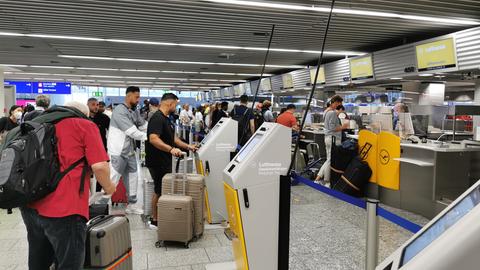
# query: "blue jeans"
{"type": "Point", "coordinates": [55, 240]}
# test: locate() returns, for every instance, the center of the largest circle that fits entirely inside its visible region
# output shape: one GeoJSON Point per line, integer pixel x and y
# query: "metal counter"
{"type": "Point", "coordinates": [432, 176]}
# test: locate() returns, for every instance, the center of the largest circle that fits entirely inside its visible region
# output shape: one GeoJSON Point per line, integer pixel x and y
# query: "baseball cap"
{"type": "Point", "coordinates": [154, 101]}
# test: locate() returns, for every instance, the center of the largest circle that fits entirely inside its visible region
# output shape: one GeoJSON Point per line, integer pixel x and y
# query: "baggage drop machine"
{"type": "Point", "coordinates": [450, 241]}
{"type": "Point", "coordinates": [257, 194]}
{"type": "Point", "coordinates": [211, 158]}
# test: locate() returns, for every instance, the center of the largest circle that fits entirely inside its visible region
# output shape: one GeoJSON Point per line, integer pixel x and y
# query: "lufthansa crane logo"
{"type": "Point", "coordinates": [384, 157]}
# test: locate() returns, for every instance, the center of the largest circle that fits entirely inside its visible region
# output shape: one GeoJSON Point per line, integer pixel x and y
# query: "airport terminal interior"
{"type": "Point", "coordinates": [309, 134]}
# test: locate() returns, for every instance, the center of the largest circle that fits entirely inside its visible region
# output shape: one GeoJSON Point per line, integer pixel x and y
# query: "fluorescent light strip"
{"type": "Point", "coordinates": [208, 46]}
{"type": "Point", "coordinates": [346, 11]}
{"type": "Point", "coordinates": [175, 62]}
{"type": "Point", "coordinates": [88, 68]}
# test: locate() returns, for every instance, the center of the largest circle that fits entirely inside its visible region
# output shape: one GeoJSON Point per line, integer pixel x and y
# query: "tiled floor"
{"type": "Point", "coordinates": [325, 234]}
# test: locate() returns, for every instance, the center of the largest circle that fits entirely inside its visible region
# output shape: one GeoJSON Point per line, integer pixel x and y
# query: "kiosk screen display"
{"type": "Point", "coordinates": [439, 227]}
{"type": "Point", "coordinates": [210, 134]}
{"type": "Point", "coordinates": [248, 147]}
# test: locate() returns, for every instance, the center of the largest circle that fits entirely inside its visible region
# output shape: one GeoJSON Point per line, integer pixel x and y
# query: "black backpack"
{"type": "Point", "coordinates": [29, 164]}
{"type": "Point", "coordinates": [258, 118]}
{"type": "Point", "coordinates": [243, 125]}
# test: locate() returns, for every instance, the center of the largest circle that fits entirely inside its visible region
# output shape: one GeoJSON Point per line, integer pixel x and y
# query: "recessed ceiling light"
{"type": "Point", "coordinates": [208, 46]}
{"type": "Point", "coordinates": [313, 8]}
{"type": "Point", "coordinates": [176, 62]}
{"type": "Point", "coordinates": [440, 76]}
{"type": "Point", "coordinates": [396, 78]}
{"type": "Point", "coordinates": [59, 67]}
{"type": "Point", "coordinates": [425, 75]}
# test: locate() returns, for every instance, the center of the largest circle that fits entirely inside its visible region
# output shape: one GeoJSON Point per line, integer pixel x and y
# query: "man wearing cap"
{"type": "Point", "coordinates": [153, 107]}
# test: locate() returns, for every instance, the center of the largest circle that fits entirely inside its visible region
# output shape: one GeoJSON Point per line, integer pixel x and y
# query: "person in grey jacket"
{"type": "Point", "coordinates": [126, 127]}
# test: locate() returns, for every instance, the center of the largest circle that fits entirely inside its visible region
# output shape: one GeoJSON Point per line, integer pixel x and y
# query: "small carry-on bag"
{"type": "Point", "coordinates": [175, 214]}
{"type": "Point", "coordinates": [195, 188]}
{"type": "Point", "coordinates": [120, 195]}
{"type": "Point", "coordinates": [356, 175]}
{"type": "Point", "coordinates": [108, 245]}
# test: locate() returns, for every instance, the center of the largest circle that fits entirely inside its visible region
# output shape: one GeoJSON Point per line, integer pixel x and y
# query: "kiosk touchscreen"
{"type": "Point", "coordinates": [450, 241]}
{"type": "Point", "coordinates": [211, 158]}
{"type": "Point", "coordinates": [252, 182]}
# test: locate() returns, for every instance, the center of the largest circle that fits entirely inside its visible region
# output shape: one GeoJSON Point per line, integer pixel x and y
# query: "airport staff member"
{"type": "Point", "coordinates": [288, 119]}
{"type": "Point", "coordinates": [161, 145]}
{"type": "Point", "coordinates": [333, 128]}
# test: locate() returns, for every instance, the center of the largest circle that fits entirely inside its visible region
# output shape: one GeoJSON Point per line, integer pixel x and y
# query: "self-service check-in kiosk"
{"type": "Point", "coordinates": [211, 158]}
{"type": "Point", "coordinates": [258, 199]}
{"type": "Point", "coordinates": [450, 241]}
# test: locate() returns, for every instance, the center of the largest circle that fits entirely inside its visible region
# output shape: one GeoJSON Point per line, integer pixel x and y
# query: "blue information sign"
{"type": "Point", "coordinates": [64, 88]}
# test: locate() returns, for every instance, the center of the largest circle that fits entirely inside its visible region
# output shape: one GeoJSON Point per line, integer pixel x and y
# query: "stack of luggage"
{"type": "Point", "coordinates": [341, 156]}
{"type": "Point", "coordinates": [181, 215]}
{"type": "Point", "coordinates": [350, 173]}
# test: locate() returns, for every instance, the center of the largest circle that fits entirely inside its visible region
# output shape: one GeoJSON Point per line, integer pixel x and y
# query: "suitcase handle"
{"type": "Point", "coordinates": [184, 175]}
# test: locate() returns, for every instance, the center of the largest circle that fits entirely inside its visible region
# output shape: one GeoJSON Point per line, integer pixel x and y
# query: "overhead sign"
{"type": "Point", "coordinates": [21, 87]}
{"type": "Point", "coordinates": [320, 77]}
{"type": "Point", "coordinates": [287, 81]}
{"type": "Point", "coordinates": [64, 88]}
{"type": "Point", "coordinates": [361, 68]}
{"type": "Point", "coordinates": [266, 84]}
{"type": "Point", "coordinates": [52, 88]}
{"type": "Point", "coordinates": [436, 55]}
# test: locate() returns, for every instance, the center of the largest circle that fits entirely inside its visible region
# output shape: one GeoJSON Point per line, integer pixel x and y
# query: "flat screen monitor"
{"type": "Point", "coordinates": [248, 147]}
{"type": "Point", "coordinates": [436, 55]}
{"type": "Point", "coordinates": [441, 225]}
{"type": "Point", "coordinates": [321, 75]}
{"type": "Point", "coordinates": [210, 134]}
{"type": "Point", "coordinates": [361, 68]}
{"type": "Point", "coordinates": [420, 124]}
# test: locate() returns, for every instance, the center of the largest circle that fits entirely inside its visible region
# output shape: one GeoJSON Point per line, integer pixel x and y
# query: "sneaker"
{"type": "Point", "coordinates": [153, 225]}
{"type": "Point", "coordinates": [318, 182]}
{"type": "Point", "coordinates": [132, 209]}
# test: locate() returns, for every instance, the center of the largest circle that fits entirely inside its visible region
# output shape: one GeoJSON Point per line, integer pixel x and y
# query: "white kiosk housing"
{"type": "Point", "coordinates": [211, 158]}
{"type": "Point", "coordinates": [253, 181]}
{"type": "Point", "coordinates": [450, 241]}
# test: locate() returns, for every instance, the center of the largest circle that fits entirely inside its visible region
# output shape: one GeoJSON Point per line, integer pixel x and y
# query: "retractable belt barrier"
{"type": "Point", "coordinates": [400, 221]}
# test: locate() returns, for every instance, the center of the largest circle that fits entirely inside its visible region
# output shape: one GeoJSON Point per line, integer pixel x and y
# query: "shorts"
{"type": "Point", "coordinates": [157, 174]}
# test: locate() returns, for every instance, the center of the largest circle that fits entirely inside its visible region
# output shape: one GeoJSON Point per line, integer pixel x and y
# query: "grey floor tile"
{"type": "Point", "coordinates": [10, 258]}
{"type": "Point", "coordinates": [224, 241]}
{"type": "Point", "coordinates": [178, 258]}
{"type": "Point", "coordinates": [186, 267]}
{"type": "Point", "coordinates": [140, 261]}
{"type": "Point", "coordinates": [219, 254]}
{"type": "Point", "coordinates": [198, 267]}
{"type": "Point", "coordinates": [206, 241]}
{"type": "Point", "coordinates": [7, 244]}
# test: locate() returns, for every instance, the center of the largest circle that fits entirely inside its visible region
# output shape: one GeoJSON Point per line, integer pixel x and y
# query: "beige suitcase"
{"type": "Point", "coordinates": [175, 215]}
{"type": "Point", "coordinates": [195, 188]}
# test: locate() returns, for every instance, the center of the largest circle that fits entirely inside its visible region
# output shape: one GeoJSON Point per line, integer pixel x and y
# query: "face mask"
{"type": "Point", "coordinates": [18, 115]}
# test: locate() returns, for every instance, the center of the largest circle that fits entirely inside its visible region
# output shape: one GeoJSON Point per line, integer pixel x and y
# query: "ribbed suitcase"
{"type": "Point", "coordinates": [148, 190]}
{"type": "Point", "coordinates": [175, 219]}
{"type": "Point", "coordinates": [175, 214]}
{"type": "Point", "coordinates": [109, 245]}
{"type": "Point", "coordinates": [195, 187]}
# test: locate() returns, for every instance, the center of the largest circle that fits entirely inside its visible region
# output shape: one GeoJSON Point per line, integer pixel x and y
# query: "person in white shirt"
{"type": "Point", "coordinates": [186, 118]}
{"type": "Point", "coordinates": [198, 122]}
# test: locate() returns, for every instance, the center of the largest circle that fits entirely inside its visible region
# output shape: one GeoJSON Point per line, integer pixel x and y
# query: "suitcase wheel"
{"type": "Point", "coordinates": [159, 244]}
{"type": "Point", "coordinates": [187, 245]}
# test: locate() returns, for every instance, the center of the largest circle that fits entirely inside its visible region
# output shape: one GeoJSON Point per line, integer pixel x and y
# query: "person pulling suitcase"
{"type": "Point", "coordinates": [162, 143]}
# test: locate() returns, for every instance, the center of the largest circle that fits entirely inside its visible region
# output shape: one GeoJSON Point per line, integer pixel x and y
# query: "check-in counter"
{"type": "Point", "coordinates": [431, 176]}
{"type": "Point", "coordinates": [318, 137]}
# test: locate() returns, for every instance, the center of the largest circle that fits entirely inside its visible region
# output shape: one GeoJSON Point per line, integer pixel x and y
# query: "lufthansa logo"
{"type": "Point", "coordinates": [384, 157]}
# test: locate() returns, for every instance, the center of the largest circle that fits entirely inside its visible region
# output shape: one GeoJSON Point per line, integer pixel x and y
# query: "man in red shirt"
{"type": "Point", "coordinates": [56, 224]}
{"type": "Point", "coordinates": [288, 119]}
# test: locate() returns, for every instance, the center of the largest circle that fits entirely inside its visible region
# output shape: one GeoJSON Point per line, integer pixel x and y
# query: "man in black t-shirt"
{"type": "Point", "coordinates": [245, 118]}
{"type": "Point", "coordinates": [161, 145]}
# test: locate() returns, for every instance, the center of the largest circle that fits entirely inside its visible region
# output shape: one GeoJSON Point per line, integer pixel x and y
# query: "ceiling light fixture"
{"type": "Point", "coordinates": [396, 78]}
{"type": "Point", "coordinates": [208, 46]}
{"type": "Point", "coordinates": [176, 62]}
{"type": "Point", "coordinates": [346, 11]}
{"type": "Point", "coordinates": [425, 75]}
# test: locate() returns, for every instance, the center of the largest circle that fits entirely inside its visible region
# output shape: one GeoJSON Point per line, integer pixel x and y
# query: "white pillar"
{"type": "Point", "coordinates": [3, 108]}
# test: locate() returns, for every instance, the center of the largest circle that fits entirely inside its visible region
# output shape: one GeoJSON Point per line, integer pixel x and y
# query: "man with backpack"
{"type": "Point", "coordinates": [56, 223]}
{"type": "Point", "coordinates": [42, 102]}
{"type": "Point", "coordinates": [245, 118]}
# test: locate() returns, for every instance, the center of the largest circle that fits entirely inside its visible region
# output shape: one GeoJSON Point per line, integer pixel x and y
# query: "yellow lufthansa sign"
{"type": "Point", "coordinates": [388, 174]}
{"type": "Point", "coordinates": [320, 77]}
{"type": "Point", "coordinates": [287, 81]}
{"type": "Point", "coordinates": [436, 55]}
{"type": "Point", "coordinates": [361, 68]}
{"type": "Point", "coordinates": [364, 137]}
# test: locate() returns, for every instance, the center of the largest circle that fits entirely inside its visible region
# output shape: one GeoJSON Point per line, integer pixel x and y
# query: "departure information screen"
{"type": "Point", "coordinates": [247, 148]}
{"type": "Point", "coordinates": [64, 88]}
{"type": "Point", "coordinates": [361, 68]}
{"type": "Point", "coordinates": [321, 75]}
{"type": "Point", "coordinates": [436, 55]}
{"type": "Point", "coordinates": [439, 227]}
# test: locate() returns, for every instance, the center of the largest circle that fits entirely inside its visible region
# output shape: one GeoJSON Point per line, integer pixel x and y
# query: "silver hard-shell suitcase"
{"type": "Point", "coordinates": [109, 243]}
